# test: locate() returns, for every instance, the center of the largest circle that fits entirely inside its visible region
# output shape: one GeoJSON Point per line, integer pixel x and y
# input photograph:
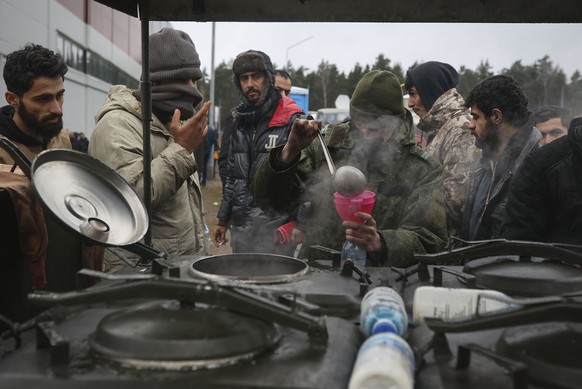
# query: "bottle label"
{"type": "Point", "coordinates": [380, 305]}
{"type": "Point", "coordinates": [353, 252]}
{"type": "Point", "coordinates": [450, 304]}
{"type": "Point", "coordinates": [388, 347]}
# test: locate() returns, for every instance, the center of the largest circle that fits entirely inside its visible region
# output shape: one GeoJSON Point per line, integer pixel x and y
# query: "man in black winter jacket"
{"type": "Point", "coordinates": [504, 131]}
{"type": "Point", "coordinates": [261, 122]}
{"type": "Point", "coordinates": [545, 198]}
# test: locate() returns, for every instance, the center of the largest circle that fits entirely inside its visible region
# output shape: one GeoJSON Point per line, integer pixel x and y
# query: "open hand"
{"type": "Point", "coordinates": [190, 134]}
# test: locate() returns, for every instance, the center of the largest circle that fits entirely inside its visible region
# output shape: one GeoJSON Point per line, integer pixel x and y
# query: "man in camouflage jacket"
{"type": "Point", "coordinates": [409, 214]}
{"type": "Point", "coordinates": [445, 120]}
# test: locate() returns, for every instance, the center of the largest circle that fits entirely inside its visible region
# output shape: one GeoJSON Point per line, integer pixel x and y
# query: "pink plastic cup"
{"type": "Point", "coordinates": [346, 207]}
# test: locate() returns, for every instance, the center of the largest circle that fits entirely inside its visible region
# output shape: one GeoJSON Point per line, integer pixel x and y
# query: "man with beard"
{"type": "Point", "coordinates": [283, 86]}
{"type": "Point", "coordinates": [261, 122]}
{"type": "Point", "coordinates": [504, 131]}
{"type": "Point", "coordinates": [33, 118]}
{"type": "Point", "coordinates": [33, 121]}
{"type": "Point", "coordinates": [445, 120]}
{"type": "Point", "coordinates": [409, 213]}
{"type": "Point", "coordinates": [177, 222]}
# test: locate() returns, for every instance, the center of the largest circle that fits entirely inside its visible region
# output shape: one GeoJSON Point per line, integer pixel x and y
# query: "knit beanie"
{"type": "Point", "coordinates": [431, 79]}
{"type": "Point", "coordinates": [173, 56]}
{"type": "Point", "coordinates": [377, 93]}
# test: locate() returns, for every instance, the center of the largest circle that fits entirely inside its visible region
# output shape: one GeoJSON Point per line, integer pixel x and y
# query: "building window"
{"type": "Point", "coordinates": [82, 59]}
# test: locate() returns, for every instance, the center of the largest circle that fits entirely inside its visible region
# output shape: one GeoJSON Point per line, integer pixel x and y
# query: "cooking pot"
{"type": "Point", "coordinates": [249, 268]}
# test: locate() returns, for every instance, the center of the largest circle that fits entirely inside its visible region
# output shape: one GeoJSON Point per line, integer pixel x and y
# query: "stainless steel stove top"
{"type": "Point", "coordinates": [311, 327]}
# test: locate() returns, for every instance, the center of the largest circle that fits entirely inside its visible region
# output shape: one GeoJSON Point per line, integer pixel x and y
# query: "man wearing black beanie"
{"type": "Point", "coordinates": [177, 223]}
{"type": "Point", "coordinates": [445, 120]}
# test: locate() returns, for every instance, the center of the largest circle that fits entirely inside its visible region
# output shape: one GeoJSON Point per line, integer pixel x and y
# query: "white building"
{"type": "Point", "coordinates": [101, 47]}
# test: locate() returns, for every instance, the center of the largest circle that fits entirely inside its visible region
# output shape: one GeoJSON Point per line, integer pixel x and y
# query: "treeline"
{"type": "Point", "coordinates": [543, 82]}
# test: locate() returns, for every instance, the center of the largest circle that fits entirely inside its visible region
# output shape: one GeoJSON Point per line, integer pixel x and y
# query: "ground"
{"type": "Point", "coordinates": [212, 196]}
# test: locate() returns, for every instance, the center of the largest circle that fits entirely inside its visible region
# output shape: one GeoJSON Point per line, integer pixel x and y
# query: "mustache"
{"type": "Point", "coordinates": [252, 90]}
{"type": "Point", "coordinates": [52, 116]}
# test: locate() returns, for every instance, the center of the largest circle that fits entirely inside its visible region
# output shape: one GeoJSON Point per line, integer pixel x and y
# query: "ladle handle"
{"type": "Point", "coordinates": [326, 153]}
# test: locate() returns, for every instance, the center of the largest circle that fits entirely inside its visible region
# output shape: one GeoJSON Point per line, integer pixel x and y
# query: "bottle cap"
{"type": "Point", "coordinates": [384, 325]}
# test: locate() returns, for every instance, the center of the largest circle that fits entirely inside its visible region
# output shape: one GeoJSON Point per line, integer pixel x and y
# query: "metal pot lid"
{"type": "Point", "coordinates": [165, 335]}
{"type": "Point", "coordinates": [551, 351]}
{"type": "Point", "coordinates": [538, 277]}
{"type": "Point", "coordinates": [249, 268]}
{"type": "Point", "coordinates": [89, 197]}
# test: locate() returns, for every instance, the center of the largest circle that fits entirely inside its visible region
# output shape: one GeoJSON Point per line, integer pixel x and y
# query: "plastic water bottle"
{"type": "Point", "coordinates": [383, 310]}
{"type": "Point", "coordinates": [354, 253]}
{"type": "Point", "coordinates": [384, 360]}
{"type": "Point", "coordinates": [457, 304]}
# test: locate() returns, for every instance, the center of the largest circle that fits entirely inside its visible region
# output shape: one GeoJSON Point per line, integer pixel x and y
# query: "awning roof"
{"type": "Point", "coordinates": [482, 11]}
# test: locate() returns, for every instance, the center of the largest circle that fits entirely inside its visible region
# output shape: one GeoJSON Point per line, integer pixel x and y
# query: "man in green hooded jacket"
{"type": "Point", "coordinates": [409, 214]}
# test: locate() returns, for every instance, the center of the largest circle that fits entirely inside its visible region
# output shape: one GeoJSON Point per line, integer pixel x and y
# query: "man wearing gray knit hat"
{"type": "Point", "coordinates": [177, 223]}
{"type": "Point", "coordinates": [259, 123]}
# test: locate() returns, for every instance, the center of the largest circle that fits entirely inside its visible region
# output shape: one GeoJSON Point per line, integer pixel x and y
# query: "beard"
{"type": "Point", "coordinates": [41, 126]}
{"type": "Point", "coordinates": [257, 101]}
{"type": "Point", "coordinates": [489, 141]}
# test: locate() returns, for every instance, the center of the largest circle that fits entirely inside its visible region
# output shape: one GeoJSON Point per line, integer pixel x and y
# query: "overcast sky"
{"type": "Point", "coordinates": [345, 44]}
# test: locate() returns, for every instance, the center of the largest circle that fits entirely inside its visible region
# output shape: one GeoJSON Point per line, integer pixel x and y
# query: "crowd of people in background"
{"type": "Point", "coordinates": [490, 168]}
{"type": "Point", "coordinates": [79, 141]}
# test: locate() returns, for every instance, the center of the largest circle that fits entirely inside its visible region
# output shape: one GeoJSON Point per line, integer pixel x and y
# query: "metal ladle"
{"type": "Point", "coordinates": [347, 180]}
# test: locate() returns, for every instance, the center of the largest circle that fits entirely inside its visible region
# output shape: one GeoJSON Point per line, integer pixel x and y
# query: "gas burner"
{"type": "Point", "coordinates": [551, 351]}
{"type": "Point", "coordinates": [531, 277]}
{"type": "Point", "coordinates": [514, 267]}
{"type": "Point", "coordinates": [165, 335]}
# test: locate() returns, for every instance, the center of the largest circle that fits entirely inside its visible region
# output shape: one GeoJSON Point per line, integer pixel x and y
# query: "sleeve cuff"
{"type": "Point", "coordinates": [275, 160]}
{"type": "Point", "coordinates": [379, 258]}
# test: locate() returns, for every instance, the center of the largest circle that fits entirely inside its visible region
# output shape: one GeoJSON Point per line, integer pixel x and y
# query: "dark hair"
{"type": "Point", "coordinates": [283, 73]}
{"type": "Point", "coordinates": [25, 65]}
{"type": "Point", "coordinates": [552, 111]}
{"type": "Point", "coordinates": [503, 93]}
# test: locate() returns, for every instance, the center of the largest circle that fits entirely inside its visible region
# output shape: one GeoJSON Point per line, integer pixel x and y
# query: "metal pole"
{"type": "Point", "coordinates": [146, 111]}
{"type": "Point", "coordinates": [293, 45]}
{"type": "Point", "coordinates": [212, 85]}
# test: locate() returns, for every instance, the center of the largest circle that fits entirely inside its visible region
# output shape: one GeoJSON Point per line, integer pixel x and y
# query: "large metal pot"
{"type": "Point", "coordinates": [249, 268]}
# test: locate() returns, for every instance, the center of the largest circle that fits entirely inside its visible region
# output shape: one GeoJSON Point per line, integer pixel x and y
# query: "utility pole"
{"type": "Point", "coordinates": [290, 47]}
{"type": "Point", "coordinates": [211, 119]}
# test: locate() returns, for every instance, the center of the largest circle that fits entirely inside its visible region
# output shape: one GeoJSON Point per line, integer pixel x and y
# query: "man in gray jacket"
{"type": "Point", "coordinates": [176, 222]}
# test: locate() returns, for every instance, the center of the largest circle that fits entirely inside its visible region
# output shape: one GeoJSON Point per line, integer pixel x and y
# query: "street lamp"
{"type": "Point", "coordinates": [293, 45]}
